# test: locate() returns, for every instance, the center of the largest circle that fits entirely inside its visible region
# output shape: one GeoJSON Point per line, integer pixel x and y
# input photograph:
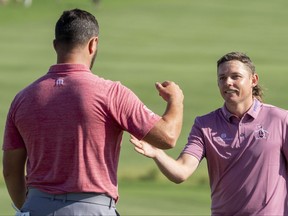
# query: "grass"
{"type": "Point", "coordinates": [142, 42]}
{"type": "Point", "coordinates": [169, 199]}
{"type": "Point", "coordinates": [5, 204]}
{"type": "Point", "coordinates": [136, 199]}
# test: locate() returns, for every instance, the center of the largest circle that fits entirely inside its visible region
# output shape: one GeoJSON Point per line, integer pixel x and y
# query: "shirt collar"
{"type": "Point", "coordinates": [253, 111]}
{"type": "Point", "coordinates": [64, 68]}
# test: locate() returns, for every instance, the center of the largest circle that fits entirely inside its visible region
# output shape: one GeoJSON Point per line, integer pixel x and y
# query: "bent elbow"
{"type": "Point", "coordinates": [178, 180]}
{"type": "Point", "coordinates": [171, 140]}
{"type": "Point", "coordinates": [167, 144]}
{"type": "Point", "coordinates": [162, 139]}
{"type": "Point", "coordinates": [178, 177]}
{"type": "Point", "coordinates": [172, 144]}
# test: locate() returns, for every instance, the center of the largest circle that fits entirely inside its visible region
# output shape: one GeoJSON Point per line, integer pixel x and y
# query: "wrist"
{"type": "Point", "coordinates": [158, 154]}
{"type": "Point", "coordinates": [175, 100]}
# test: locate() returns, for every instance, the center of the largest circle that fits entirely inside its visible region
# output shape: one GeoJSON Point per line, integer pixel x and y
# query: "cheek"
{"type": "Point", "coordinates": [220, 84]}
{"type": "Point", "coordinates": [243, 82]}
{"type": "Point", "coordinates": [246, 85]}
{"type": "Point", "coordinates": [220, 87]}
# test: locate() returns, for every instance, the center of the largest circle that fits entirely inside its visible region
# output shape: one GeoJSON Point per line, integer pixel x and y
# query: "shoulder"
{"type": "Point", "coordinates": [108, 86]}
{"type": "Point", "coordinates": [274, 113]}
{"type": "Point", "coordinates": [208, 118]}
{"type": "Point", "coordinates": [274, 110]}
{"type": "Point", "coordinates": [212, 114]}
{"type": "Point", "coordinates": [114, 84]}
{"type": "Point", "coordinates": [116, 87]}
{"type": "Point", "coordinates": [25, 92]}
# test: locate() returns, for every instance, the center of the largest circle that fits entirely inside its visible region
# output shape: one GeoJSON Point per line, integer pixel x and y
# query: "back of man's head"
{"type": "Point", "coordinates": [75, 28]}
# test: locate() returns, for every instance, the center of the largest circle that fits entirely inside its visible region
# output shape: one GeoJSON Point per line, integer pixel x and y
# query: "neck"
{"type": "Point", "coordinates": [239, 109]}
{"type": "Point", "coordinates": [72, 59]}
{"type": "Point", "coordinates": [73, 56]}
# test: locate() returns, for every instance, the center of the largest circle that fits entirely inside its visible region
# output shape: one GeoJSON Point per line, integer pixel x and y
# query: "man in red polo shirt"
{"type": "Point", "coordinates": [245, 143]}
{"type": "Point", "coordinates": [68, 125]}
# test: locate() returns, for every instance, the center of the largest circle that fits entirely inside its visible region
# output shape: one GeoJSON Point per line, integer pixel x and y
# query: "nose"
{"type": "Point", "coordinates": [229, 81]}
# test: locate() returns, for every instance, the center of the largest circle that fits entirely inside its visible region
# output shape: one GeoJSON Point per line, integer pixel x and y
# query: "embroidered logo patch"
{"type": "Point", "coordinates": [223, 139]}
{"type": "Point", "coordinates": [260, 132]}
{"type": "Point", "coordinates": [59, 82]}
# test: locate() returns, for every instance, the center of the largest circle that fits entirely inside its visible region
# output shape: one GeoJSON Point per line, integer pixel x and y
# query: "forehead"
{"type": "Point", "coordinates": [233, 66]}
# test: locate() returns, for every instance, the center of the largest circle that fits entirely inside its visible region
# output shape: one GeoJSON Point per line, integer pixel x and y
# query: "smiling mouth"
{"type": "Point", "coordinates": [231, 91]}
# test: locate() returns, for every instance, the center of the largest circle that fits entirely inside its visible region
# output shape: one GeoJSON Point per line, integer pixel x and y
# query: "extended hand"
{"type": "Point", "coordinates": [143, 147]}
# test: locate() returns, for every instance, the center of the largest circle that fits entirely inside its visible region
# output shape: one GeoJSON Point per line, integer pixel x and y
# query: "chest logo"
{"type": "Point", "coordinates": [260, 132]}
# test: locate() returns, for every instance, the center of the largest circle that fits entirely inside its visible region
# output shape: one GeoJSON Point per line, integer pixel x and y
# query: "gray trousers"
{"type": "Point", "coordinates": [39, 203]}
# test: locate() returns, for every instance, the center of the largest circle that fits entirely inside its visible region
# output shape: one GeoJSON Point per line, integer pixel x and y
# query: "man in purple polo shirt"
{"type": "Point", "coordinates": [245, 144]}
{"type": "Point", "coordinates": [67, 127]}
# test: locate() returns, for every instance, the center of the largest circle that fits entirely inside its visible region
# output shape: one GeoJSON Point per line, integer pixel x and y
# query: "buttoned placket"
{"type": "Point", "coordinates": [241, 133]}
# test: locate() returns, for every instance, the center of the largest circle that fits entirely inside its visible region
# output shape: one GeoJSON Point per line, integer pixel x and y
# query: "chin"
{"type": "Point", "coordinates": [231, 100]}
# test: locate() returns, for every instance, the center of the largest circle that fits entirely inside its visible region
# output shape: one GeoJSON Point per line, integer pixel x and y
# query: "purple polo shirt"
{"type": "Point", "coordinates": [247, 159]}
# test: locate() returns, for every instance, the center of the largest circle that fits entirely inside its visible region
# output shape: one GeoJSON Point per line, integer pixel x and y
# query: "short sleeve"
{"type": "Point", "coordinates": [195, 144]}
{"type": "Point", "coordinates": [285, 137]}
{"type": "Point", "coordinates": [130, 112]}
{"type": "Point", "coordinates": [12, 137]}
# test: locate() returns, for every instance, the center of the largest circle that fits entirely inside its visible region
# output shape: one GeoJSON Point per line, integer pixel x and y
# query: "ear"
{"type": "Point", "coordinates": [255, 79]}
{"type": "Point", "coordinates": [54, 44]}
{"type": "Point", "coordinates": [92, 45]}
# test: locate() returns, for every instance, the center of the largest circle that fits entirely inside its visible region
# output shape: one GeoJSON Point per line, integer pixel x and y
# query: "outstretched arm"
{"type": "Point", "coordinates": [165, 132]}
{"type": "Point", "coordinates": [175, 170]}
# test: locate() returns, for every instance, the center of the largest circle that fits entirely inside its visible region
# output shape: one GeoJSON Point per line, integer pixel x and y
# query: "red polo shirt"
{"type": "Point", "coordinates": [71, 123]}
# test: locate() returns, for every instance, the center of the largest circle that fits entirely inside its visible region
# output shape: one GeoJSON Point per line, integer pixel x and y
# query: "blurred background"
{"type": "Point", "coordinates": [142, 42]}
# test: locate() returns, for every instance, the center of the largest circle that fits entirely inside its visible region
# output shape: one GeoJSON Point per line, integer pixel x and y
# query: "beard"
{"type": "Point", "coordinates": [93, 60]}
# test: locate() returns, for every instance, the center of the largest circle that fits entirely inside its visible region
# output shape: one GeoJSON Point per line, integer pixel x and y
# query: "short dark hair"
{"type": "Point", "coordinates": [242, 57]}
{"type": "Point", "coordinates": [76, 27]}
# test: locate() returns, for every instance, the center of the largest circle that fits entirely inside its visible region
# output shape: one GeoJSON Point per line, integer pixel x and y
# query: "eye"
{"type": "Point", "coordinates": [222, 78]}
{"type": "Point", "coordinates": [235, 77]}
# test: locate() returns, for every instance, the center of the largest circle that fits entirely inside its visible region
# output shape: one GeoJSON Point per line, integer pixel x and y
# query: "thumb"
{"type": "Point", "coordinates": [159, 86]}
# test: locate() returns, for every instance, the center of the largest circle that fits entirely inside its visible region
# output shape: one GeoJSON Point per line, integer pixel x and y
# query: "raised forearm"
{"type": "Point", "coordinates": [173, 118]}
{"type": "Point", "coordinates": [167, 130]}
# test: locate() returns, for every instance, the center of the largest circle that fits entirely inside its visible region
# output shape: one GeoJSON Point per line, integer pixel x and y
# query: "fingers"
{"type": "Point", "coordinates": [158, 85]}
{"type": "Point", "coordinates": [137, 143]}
{"type": "Point", "coordinates": [163, 90]}
{"type": "Point", "coordinates": [170, 91]}
{"type": "Point", "coordinates": [139, 150]}
{"type": "Point", "coordinates": [140, 146]}
{"type": "Point", "coordinates": [161, 86]}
